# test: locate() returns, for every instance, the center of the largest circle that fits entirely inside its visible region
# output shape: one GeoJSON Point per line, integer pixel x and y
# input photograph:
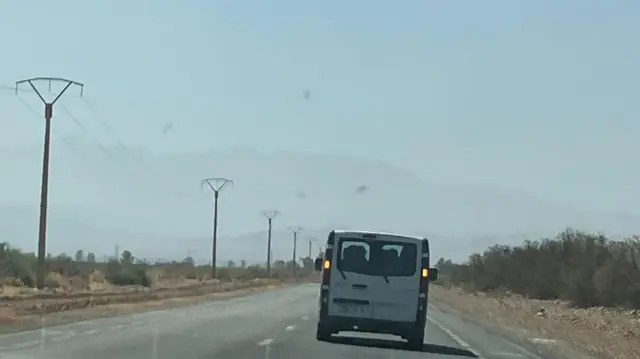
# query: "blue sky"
{"type": "Point", "coordinates": [538, 96]}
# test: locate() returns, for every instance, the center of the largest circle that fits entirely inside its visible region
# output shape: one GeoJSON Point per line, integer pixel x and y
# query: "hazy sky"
{"type": "Point", "coordinates": [529, 95]}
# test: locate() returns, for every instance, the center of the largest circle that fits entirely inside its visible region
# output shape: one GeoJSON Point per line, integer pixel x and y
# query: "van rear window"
{"type": "Point", "coordinates": [376, 257]}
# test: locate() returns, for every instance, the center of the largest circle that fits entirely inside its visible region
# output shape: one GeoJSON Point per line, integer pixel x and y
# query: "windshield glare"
{"type": "Point", "coordinates": [377, 258]}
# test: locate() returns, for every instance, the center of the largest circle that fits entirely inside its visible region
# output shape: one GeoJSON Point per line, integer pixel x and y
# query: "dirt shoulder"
{"type": "Point", "coordinates": [24, 313]}
{"type": "Point", "coordinates": [596, 332]}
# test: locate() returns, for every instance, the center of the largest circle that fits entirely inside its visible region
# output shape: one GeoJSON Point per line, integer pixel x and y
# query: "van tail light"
{"type": "Point", "coordinates": [424, 268]}
{"type": "Point", "coordinates": [424, 280]}
{"type": "Point", "coordinates": [326, 271]}
{"type": "Point", "coordinates": [326, 276]}
{"type": "Point", "coordinates": [421, 315]}
{"type": "Point", "coordinates": [328, 256]}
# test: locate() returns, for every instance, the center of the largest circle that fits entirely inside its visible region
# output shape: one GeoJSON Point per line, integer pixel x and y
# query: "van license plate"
{"type": "Point", "coordinates": [353, 309]}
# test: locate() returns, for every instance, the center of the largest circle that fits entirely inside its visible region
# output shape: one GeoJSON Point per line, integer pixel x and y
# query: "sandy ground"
{"type": "Point", "coordinates": [599, 332]}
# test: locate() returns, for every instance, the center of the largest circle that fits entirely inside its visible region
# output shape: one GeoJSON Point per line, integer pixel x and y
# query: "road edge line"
{"type": "Point", "coordinates": [524, 345]}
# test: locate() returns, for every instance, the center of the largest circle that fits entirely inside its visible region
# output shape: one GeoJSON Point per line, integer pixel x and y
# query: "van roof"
{"type": "Point", "coordinates": [351, 231]}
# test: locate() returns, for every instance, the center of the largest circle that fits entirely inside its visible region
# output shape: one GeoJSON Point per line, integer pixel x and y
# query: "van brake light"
{"type": "Point", "coordinates": [326, 272]}
{"type": "Point", "coordinates": [424, 280]}
{"type": "Point", "coordinates": [425, 273]}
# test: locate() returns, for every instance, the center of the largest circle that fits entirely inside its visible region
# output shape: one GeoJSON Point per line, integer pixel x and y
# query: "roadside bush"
{"type": "Point", "coordinates": [126, 273]}
{"type": "Point", "coordinates": [586, 269]}
{"type": "Point", "coordinates": [130, 276]}
{"type": "Point", "coordinates": [18, 269]}
{"type": "Point", "coordinates": [17, 265]}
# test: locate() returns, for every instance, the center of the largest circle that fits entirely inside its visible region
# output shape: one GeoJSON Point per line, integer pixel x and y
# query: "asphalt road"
{"type": "Point", "coordinates": [279, 324]}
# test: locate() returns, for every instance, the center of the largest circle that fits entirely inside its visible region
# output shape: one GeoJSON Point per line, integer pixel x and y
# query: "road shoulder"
{"type": "Point", "coordinates": [32, 322]}
{"type": "Point", "coordinates": [529, 341]}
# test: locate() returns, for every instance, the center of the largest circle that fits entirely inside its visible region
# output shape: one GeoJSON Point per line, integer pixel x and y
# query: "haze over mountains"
{"type": "Point", "coordinates": [153, 205]}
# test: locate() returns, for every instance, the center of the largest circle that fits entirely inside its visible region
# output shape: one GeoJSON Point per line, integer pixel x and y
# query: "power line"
{"type": "Point", "coordinates": [138, 167]}
{"type": "Point", "coordinates": [270, 214]}
{"type": "Point", "coordinates": [36, 115]}
{"type": "Point", "coordinates": [216, 185]}
{"type": "Point", "coordinates": [62, 138]}
{"type": "Point", "coordinates": [295, 231]}
{"type": "Point", "coordinates": [48, 114]}
{"type": "Point", "coordinates": [13, 89]}
{"type": "Point", "coordinates": [79, 124]}
{"type": "Point", "coordinates": [103, 122]}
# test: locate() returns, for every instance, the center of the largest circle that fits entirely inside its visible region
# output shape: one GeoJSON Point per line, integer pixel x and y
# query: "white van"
{"type": "Point", "coordinates": [374, 282]}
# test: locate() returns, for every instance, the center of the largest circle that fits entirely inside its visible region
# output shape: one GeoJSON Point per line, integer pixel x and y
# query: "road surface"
{"type": "Point", "coordinates": [278, 324]}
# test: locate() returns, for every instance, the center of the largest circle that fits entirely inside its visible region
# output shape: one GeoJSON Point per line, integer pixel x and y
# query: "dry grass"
{"type": "Point", "coordinates": [20, 301]}
{"type": "Point", "coordinates": [602, 332]}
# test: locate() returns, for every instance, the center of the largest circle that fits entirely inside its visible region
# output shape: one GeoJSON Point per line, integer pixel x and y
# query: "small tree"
{"type": "Point", "coordinates": [127, 257]}
{"type": "Point", "coordinates": [79, 257]}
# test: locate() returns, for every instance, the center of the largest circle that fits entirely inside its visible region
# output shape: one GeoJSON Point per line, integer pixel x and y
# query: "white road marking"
{"type": "Point", "coordinates": [43, 334]}
{"type": "Point", "coordinates": [265, 342]}
{"type": "Point", "coordinates": [267, 348]}
{"type": "Point", "coordinates": [506, 354]}
{"type": "Point", "coordinates": [30, 343]}
{"type": "Point", "coordinates": [543, 341]}
{"type": "Point", "coordinates": [90, 332]}
{"type": "Point", "coordinates": [137, 322]}
{"type": "Point", "coordinates": [290, 328]}
{"type": "Point", "coordinates": [154, 353]}
{"type": "Point", "coordinates": [63, 337]}
{"type": "Point", "coordinates": [116, 327]}
{"type": "Point", "coordinates": [510, 343]}
{"type": "Point", "coordinates": [305, 318]}
{"type": "Point", "coordinates": [454, 336]}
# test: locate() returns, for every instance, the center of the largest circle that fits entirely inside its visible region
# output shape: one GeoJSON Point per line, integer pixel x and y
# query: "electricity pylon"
{"type": "Point", "coordinates": [310, 240]}
{"type": "Point", "coordinates": [216, 185]}
{"type": "Point", "coordinates": [295, 231]}
{"type": "Point", "coordinates": [270, 214]}
{"type": "Point", "coordinates": [44, 190]}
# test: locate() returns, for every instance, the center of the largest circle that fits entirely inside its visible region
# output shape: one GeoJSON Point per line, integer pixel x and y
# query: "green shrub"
{"type": "Point", "coordinates": [586, 269]}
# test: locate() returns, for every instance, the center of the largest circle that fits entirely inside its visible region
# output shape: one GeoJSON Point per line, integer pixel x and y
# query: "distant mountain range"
{"type": "Point", "coordinates": [153, 205]}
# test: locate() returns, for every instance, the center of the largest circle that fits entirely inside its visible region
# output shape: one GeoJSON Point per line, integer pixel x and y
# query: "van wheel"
{"type": "Point", "coordinates": [415, 341]}
{"type": "Point", "coordinates": [323, 333]}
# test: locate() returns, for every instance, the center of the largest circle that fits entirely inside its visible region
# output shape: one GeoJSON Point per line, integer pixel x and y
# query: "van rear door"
{"type": "Point", "coordinates": [351, 285]}
{"type": "Point", "coordinates": [375, 277]}
{"type": "Point", "coordinates": [397, 297]}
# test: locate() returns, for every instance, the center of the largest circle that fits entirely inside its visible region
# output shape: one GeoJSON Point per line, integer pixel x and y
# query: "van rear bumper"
{"type": "Point", "coordinates": [336, 324]}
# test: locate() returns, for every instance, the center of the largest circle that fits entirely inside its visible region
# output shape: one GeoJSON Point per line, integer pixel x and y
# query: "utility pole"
{"type": "Point", "coordinates": [270, 214]}
{"type": "Point", "coordinates": [216, 185]}
{"type": "Point", "coordinates": [310, 240]}
{"type": "Point", "coordinates": [295, 231]}
{"type": "Point", "coordinates": [44, 190]}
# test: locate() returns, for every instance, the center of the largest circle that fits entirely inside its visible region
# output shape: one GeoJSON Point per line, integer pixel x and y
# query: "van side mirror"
{"type": "Point", "coordinates": [433, 274]}
{"type": "Point", "coordinates": [317, 264]}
